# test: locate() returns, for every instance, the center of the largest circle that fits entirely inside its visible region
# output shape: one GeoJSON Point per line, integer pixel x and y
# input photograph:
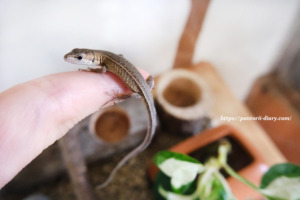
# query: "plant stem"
{"type": "Point", "coordinates": [232, 173]}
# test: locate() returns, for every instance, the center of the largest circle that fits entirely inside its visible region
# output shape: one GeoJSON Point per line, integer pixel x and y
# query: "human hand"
{"type": "Point", "coordinates": [33, 115]}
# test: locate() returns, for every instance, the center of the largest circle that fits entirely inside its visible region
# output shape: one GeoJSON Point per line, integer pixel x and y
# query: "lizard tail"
{"type": "Point", "coordinates": [141, 147]}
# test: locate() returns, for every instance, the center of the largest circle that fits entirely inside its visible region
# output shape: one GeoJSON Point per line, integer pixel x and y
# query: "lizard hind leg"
{"type": "Point", "coordinates": [118, 97]}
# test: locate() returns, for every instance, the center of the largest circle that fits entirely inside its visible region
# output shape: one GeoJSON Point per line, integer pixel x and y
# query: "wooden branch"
{"type": "Point", "coordinates": [287, 66]}
{"type": "Point", "coordinates": [75, 163]}
{"type": "Point", "coordinates": [190, 33]}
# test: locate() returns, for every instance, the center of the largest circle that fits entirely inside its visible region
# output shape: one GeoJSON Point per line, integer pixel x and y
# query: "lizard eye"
{"type": "Point", "coordinates": [79, 57]}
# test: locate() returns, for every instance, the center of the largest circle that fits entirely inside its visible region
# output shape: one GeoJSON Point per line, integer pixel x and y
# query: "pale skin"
{"type": "Point", "coordinates": [35, 114]}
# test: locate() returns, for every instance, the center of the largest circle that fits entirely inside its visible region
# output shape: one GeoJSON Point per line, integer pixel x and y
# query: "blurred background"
{"type": "Point", "coordinates": [242, 39]}
{"type": "Point", "coordinates": [253, 44]}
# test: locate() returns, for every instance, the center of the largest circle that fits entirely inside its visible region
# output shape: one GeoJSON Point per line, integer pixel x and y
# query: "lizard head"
{"type": "Point", "coordinates": [81, 57]}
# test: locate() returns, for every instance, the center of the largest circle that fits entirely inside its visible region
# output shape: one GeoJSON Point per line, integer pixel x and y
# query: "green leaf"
{"type": "Point", "coordinates": [182, 173]}
{"type": "Point", "coordinates": [161, 181]}
{"type": "Point", "coordinates": [285, 169]}
{"type": "Point", "coordinates": [282, 181]}
{"type": "Point", "coordinates": [181, 168]}
{"type": "Point", "coordinates": [212, 185]}
{"type": "Point", "coordinates": [162, 187]}
{"type": "Point", "coordinates": [161, 156]}
{"type": "Point", "coordinates": [188, 188]}
{"type": "Point", "coordinates": [173, 196]}
{"type": "Point", "coordinates": [283, 188]}
{"type": "Point", "coordinates": [220, 189]}
{"type": "Point", "coordinates": [217, 192]}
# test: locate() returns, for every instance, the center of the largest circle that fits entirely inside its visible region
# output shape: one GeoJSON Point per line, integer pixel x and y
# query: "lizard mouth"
{"type": "Point", "coordinates": [70, 59]}
{"type": "Point", "coordinates": [67, 57]}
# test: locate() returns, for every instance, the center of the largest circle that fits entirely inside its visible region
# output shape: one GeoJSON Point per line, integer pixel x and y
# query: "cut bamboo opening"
{"type": "Point", "coordinates": [110, 125]}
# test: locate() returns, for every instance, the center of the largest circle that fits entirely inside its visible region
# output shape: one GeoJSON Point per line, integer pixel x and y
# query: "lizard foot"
{"type": "Point", "coordinates": [150, 82]}
{"type": "Point", "coordinates": [119, 97]}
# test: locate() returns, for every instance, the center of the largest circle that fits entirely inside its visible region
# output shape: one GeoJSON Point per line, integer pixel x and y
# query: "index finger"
{"type": "Point", "coordinates": [33, 115]}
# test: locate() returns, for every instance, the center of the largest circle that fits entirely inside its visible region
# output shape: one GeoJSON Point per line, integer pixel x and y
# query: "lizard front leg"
{"type": "Point", "coordinates": [101, 69]}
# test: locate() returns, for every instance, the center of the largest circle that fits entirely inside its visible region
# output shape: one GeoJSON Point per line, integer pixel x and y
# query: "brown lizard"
{"type": "Point", "coordinates": [126, 71]}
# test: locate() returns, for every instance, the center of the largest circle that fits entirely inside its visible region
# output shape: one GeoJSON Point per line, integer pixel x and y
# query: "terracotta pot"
{"type": "Point", "coordinates": [244, 158]}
